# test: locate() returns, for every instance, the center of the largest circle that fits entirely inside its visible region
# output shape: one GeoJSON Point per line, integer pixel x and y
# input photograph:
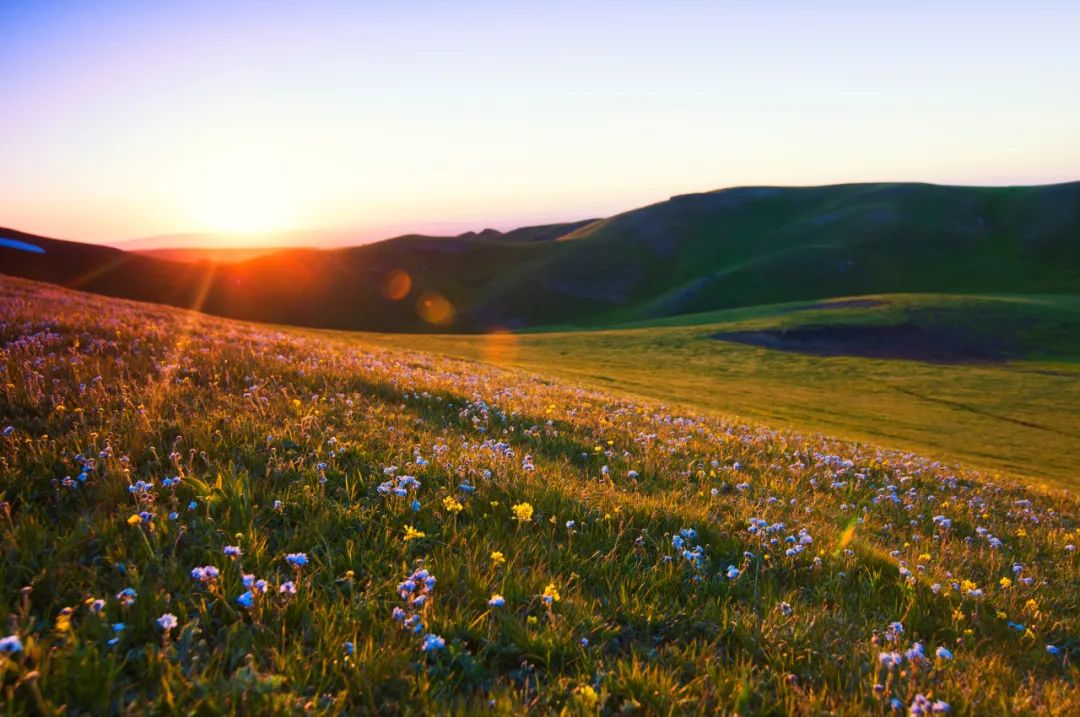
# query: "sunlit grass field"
{"type": "Point", "coordinates": [1019, 415]}
{"type": "Point", "coordinates": [202, 516]}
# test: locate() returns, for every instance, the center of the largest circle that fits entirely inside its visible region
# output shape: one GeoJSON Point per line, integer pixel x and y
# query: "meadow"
{"type": "Point", "coordinates": [994, 382]}
{"type": "Point", "coordinates": [203, 516]}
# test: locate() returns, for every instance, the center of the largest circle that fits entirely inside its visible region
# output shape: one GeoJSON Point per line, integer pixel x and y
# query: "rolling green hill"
{"type": "Point", "coordinates": [694, 253]}
{"type": "Point", "coordinates": [751, 246]}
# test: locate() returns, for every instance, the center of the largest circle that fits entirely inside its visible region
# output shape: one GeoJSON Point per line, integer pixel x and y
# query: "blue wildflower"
{"type": "Point", "coordinates": [297, 560]}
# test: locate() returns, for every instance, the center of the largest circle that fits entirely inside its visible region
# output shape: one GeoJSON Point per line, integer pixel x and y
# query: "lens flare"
{"type": "Point", "coordinates": [500, 346]}
{"type": "Point", "coordinates": [434, 308]}
{"type": "Point", "coordinates": [397, 285]}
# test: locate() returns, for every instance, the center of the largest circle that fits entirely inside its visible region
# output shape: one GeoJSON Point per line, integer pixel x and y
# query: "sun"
{"type": "Point", "coordinates": [242, 213]}
{"type": "Point", "coordinates": [237, 204]}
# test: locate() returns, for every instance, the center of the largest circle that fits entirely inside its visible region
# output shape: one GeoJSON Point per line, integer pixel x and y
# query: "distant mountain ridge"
{"type": "Point", "coordinates": [692, 253]}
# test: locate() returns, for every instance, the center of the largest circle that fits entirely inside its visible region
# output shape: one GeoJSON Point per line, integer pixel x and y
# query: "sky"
{"type": "Point", "coordinates": [131, 119]}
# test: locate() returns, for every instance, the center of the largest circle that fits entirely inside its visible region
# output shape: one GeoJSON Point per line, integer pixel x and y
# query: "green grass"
{"type": "Point", "coordinates": [1019, 416]}
{"type": "Point", "coordinates": [282, 440]}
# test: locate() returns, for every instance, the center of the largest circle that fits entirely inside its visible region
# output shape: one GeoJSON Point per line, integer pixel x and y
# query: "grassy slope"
{"type": "Point", "coordinates": [1019, 416]}
{"type": "Point", "coordinates": [754, 246]}
{"type": "Point", "coordinates": [250, 415]}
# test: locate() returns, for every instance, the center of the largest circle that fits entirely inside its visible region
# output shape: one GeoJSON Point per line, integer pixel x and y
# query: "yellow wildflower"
{"type": "Point", "coordinates": [497, 558]}
{"type": "Point", "coordinates": [587, 696]}
{"type": "Point", "coordinates": [412, 533]}
{"type": "Point", "coordinates": [63, 620]}
{"type": "Point", "coordinates": [551, 594]}
{"type": "Point", "coordinates": [452, 506]}
{"type": "Point", "coordinates": [1005, 583]}
{"type": "Point", "coordinates": [523, 512]}
{"type": "Point", "coordinates": [134, 519]}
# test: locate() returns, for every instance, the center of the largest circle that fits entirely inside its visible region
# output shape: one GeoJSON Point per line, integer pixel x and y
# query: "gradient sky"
{"type": "Point", "coordinates": [122, 120]}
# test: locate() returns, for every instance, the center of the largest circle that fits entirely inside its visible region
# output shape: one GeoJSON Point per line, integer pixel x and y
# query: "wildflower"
{"type": "Point", "coordinates": [10, 645]}
{"type": "Point", "coordinates": [551, 594]}
{"type": "Point", "coordinates": [415, 506]}
{"type": "Point", "coordinates": [732, 572]}
{"type": "Point", "coordinates": [127, 597]}
{"type": "Point", "coordinates": [349, 648]}
{"type": "Point", "coordinates": [785, 609]}
{"type": "Point", "coordinates": [167, 621]}
{"type": "Point", "coordinates": [287, 588]}
{"type": "Point", "coordinates": [587, 696]}
{"type": "Point", "coordinates": [433, 642]}
{"type": "Point", "coordinates": [206, 574]}
{"type": "Point", "coordinates": [246, 600]}
{"type": "Point", "coordinates": [915, 652]}
{"type": "Point", "coordinates": [278, 505]}
{"type": "Point", "coordinates": [497, 600]}
{"type": "Point", "coordinates": [1053, 649]}
{"type": "Point", "coordinates": [412, 533]}
{"type": "Point", "coordinates": [247, 580]}
{"type": "Point", "coordinates": [63, 620]}
{"type": "Point", "coordinates": [192, 505]}
{"type": "Point", "coordinates": [95, 605]}
{"type": "Point", "coordinates": [134, 519]}
{"type": "Point", "coordinates": [1005, 583]}
{"type": "Point", "coordinates": [451, 505]}
{"type": "Point", "coordinates": [890, 660]}
{"type": "Point", "coordinates": [943, 653]}
{"type": "Point", "coordinates": [523, 512]}
{"type": "Point", "coordinates": [233, 551]}
{"type": "Point", "coordinates": [297, 560]}
{"type": "Point", "coordinates": [497, 558]}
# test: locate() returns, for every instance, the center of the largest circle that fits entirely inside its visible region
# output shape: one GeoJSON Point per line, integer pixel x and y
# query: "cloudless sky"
{"type": "Point", "coordinates": [127, 119]}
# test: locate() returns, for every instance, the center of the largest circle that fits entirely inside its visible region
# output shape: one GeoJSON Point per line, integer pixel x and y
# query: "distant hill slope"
{"type": "Point", "coordinates": [692, 253]}
{"type": "Point", "coordinates": [762, 245]}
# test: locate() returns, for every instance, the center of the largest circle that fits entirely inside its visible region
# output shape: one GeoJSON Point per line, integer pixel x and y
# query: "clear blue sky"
{"type": "Point", "coordinates": [130, 119]}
